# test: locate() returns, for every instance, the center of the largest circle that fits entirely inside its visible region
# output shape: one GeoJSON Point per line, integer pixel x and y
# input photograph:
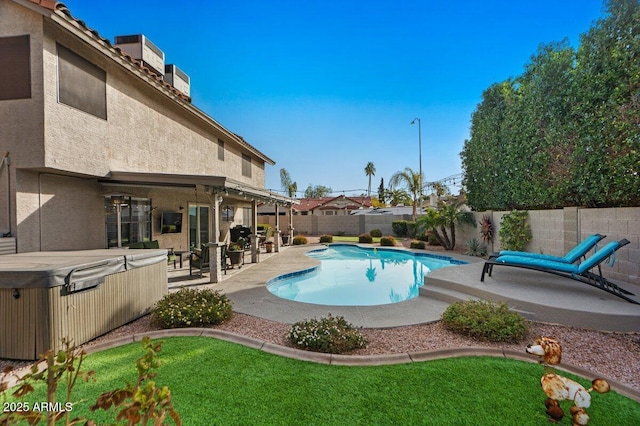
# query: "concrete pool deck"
{"type": "Point", "coordinates": [537, 296]}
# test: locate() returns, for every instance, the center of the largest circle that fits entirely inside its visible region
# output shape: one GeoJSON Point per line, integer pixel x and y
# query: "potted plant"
{"type": "Point", "coordinates": [268, 245]}
{"type": "Point", "coordinates": [235, 252]}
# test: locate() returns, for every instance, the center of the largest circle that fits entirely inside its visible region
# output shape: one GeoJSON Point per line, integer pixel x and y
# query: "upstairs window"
{"type": "Point", "coordinates": [81, 84]}
{"type": "Point", "coordinates": [220, 150]}
{"type": "Point", "coordinates": [246, 165]}
{"type": "Point", "coordinates": [15, 72]}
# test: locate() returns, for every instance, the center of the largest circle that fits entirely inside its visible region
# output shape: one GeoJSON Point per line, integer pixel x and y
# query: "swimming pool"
{"type": "Point", "coordinates": [350, 275]}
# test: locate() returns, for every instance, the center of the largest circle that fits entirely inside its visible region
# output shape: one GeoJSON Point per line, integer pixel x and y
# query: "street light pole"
{"type": "Point", "coordinates": [419, 153]}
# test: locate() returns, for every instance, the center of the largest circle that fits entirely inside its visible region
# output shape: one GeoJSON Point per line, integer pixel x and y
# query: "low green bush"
{"type": "Point", "coordinates": [432, 239]}
{"type": "Point", "coordinates": [515, 232]}
{"type": "Point", "coordinates": [192, 308]}
{"type": "Point", "coordinates": [329, 334]}
{"type": "Point", "coordinates": [486, 321]}
{"type": "Point", "coordinates": [399, 228]}
{"type": "Point", "coordinates": [326, 238]}
{"type": "Point", "coordinates": [417, 245]}
{"type": "Point", "coordinates": [388, 241]}
{"type": "Point", "coordinates": [365, 238]}
{"type": "Point", "coordinates": [376, 233]}
{"type": "Point", "coordinates": [299, 240]}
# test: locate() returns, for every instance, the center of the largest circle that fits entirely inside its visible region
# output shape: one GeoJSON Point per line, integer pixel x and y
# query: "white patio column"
{"type": "Point", "coordinates": [215, 264]}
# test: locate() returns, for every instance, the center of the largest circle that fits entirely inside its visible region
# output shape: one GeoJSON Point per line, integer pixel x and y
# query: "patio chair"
{"type": "Point", "coordinates": [581, 272]}
{"type": "Point", "coordinates": [225, 262]}
{"type": "Point", "coordinates": [575, 254]}
{"type": "Point", "coordinates": [199, 260]}
{"type": "Point", "coordinates": [171, 256]}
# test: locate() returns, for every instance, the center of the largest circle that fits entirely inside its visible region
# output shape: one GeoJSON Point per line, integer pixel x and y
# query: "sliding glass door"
{"type": "Point", "coordinates": [199, 215]}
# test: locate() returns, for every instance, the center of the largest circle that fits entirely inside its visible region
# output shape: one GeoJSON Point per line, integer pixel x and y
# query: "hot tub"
{"type": "Point", "coordinates": [78, 295]}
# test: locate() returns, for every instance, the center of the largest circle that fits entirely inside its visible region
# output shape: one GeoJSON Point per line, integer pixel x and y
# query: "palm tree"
{"type": "Point", "coordinates": [447, 216]}
{"type": "Point", "coordinates": [290, 188]}
{"type": "Point", "coordinates": [369, 170]}
{"type": "Point", "coordinates": [412, 181]}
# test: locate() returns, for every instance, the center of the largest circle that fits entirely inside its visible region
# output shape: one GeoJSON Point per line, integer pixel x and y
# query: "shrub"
{"type": "Point", "coordinates": [329, 334]}
{"type": "Point", "coordinates": [326, 238]}
{"type": "Point", "coordinates": [485, 320]}
{"type": "Point", "coordinates": [475, 248]}
{"type": "Point", "coordinates": [399, 228]}
{"type": "Point", "coordinates": [61, 370]}
{"type": "Point", "coordinates": [515, 232]}
{"type": "Point", "coordinates": [388, 241]}
{"type": "Point", "coordinates": [340, 233]}
{"type": "Point", "coordinates": [376, 233]}
{"type": "Point", "coordinates": [417, 245]}
{"type": "Point", "coordinates": [299, 240]}
{"type": "Point", "coordinates": [192, 308]}
{"type": "Point", "coordinates": [423, 237]}
{"type": "Point", "coordinates": [365, 238]}
{"type": "Point", "coordinates": [432, 239]}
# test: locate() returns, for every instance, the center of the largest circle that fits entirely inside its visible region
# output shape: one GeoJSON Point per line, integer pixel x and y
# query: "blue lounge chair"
{"type": "Point", "coordinates": [581, 272]}
{"type": "Point", "coordinates": [572, 256]}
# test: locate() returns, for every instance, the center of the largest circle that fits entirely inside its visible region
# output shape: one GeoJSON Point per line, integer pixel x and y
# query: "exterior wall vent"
{"type": "Point", "coordinates": [142, 49]}
{"type": "Point", "coordinates": [178, 79]}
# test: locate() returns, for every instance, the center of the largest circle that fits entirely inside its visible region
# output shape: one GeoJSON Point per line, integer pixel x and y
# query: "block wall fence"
{"type": "Point", "coordinates": [554, 231]}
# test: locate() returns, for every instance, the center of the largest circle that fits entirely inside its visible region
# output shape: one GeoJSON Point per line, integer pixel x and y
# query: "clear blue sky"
{"type": "Point", "coordinates": [323, 87]}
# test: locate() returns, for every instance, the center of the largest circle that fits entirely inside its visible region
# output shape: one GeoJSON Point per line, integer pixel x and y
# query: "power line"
{"type": "Point", "coordinates": [450, 181]}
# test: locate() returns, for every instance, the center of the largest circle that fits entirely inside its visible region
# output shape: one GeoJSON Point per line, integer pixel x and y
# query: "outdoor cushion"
{"type": "Point", "coordinates": [574, 254]}
{"type": "Point", "coordinates": [151, 244]}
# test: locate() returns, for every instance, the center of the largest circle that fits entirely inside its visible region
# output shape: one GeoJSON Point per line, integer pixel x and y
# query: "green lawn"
{"type": "Point", "coordinates": [219, 383]}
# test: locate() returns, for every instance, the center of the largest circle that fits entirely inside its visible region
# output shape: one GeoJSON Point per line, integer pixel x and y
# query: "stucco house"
{"type": "Point", "coordinates": [100, 148]}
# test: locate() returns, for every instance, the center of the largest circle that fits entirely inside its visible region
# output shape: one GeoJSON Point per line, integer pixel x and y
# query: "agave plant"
{"type": "Point", "coordinates": [476, 248]}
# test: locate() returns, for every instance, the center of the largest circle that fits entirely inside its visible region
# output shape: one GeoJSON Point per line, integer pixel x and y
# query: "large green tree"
{"type": "Point", "coordinates": [317, 191]}
{"type": "Point", "coordinates": [607, 109]}
{"type": "Point", "coordinates": [565, 132]}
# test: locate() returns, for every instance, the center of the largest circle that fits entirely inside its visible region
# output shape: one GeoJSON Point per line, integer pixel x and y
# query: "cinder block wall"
{"type": "Point", "coordinates": [558, 231]}
{"type": "Point", "coordinates": [616, 224]}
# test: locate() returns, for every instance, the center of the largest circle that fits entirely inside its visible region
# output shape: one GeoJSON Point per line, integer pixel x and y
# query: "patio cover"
{"type": "Point", "coordinates": [211, 184]}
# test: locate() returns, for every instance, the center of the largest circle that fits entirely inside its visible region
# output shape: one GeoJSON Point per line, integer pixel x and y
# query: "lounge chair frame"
{"type": "Point", "coordinates": [587, 277]}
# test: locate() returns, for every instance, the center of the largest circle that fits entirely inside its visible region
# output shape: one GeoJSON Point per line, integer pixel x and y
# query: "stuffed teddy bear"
{"type": "Point", "coordinates": [559, 388]}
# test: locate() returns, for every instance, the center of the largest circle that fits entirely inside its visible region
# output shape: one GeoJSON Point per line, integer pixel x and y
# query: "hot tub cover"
{"type": "Point", "coordinates": [75, 270]}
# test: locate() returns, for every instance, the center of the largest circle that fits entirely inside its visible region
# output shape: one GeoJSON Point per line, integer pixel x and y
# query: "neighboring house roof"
{"type": "Point", "coordinates": [397, 210]}
{"type": "Point", "coordinates": [62, 16]}
{"type": "Point", "coordinates": [340, 202]}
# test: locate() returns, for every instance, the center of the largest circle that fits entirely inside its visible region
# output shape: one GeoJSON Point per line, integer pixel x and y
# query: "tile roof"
{"type": "Point", "coordinates": [47, 4]}
{"type": "Point", "coordinates": [328, 203]}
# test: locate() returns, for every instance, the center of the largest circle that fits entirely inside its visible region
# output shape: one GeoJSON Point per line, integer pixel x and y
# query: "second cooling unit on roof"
{"type": "Point", "coordinates": [177, 78]}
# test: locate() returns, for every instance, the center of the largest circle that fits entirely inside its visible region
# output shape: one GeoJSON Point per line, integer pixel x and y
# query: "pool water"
{"type": "Point", "coordinates": [350, 275]}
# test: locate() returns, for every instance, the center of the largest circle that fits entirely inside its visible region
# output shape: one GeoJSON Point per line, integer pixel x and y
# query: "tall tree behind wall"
{"type": "Point", "coordinates": [567, 131]}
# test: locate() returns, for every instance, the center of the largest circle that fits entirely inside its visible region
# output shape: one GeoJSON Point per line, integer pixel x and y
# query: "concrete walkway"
{"type": "Point", "coordinates": [537, 296]}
